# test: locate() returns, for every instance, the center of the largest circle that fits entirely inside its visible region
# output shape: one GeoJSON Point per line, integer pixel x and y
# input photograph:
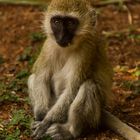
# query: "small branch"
{"type": "Point", "coordinates": [23, 2]}
{"type": "Point", "coordinates": [114, 33]}
{"type": "Point", "coordinates": [134, 126]}
{"type": "Point", "coordinates": [108, 2]}
{"type": "Point", "coordinates": [130, 19]}
{"type": "Point", "coordinates": [117, 33]}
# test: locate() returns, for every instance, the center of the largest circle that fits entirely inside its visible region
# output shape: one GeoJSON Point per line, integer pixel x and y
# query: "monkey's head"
{"type": "Point", "coordinates": [68, 20]}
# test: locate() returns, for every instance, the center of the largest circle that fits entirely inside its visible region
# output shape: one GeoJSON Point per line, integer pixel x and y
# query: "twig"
{"type": "Point", "coordinates": [108, 2]}
{"type": "Point", "coordinates": [23, 2]}
{"type": "Point", "coordinates": [117, 33]}
{"type": "Point", "coordinates": [134, 126]}
{"type": "Point", "coordinates": [130, 19]}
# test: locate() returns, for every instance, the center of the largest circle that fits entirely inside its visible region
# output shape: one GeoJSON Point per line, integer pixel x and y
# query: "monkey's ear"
{"type": "Point", "coordinates": [93, 15]}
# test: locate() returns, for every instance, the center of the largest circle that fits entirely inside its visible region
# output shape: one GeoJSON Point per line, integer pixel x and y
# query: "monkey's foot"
{"type": "Point", "coordinates": [59, 132]}
{"type": "Point", "coordinates": [34, 124]}
{"type": "Point", "coordinates": [39, 129]}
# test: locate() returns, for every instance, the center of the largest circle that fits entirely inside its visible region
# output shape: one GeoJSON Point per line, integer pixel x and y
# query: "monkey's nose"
{"type": "Point", "coordinates": [64, 42]}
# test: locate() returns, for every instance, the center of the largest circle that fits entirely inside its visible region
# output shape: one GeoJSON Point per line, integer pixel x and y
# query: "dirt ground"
{"type": "Point", "coordinates": [20, 30]}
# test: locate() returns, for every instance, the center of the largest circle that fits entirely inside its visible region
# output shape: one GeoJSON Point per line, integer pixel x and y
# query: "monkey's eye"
{"type": "Point", "coordinates": [56, 22]}
{"type": "Point", "coordinates": [70, 23]}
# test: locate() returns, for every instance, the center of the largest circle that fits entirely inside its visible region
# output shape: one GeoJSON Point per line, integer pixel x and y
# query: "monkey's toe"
{"type": "Point", "coordinates": [34, 125]}
{"type": "Point", "coordinates": [39, 130]}
{"type": "Point", "coordinates": [59, 132]}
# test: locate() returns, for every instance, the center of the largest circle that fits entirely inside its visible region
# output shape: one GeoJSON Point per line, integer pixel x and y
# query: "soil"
{"type": "Point", "coordinates": [120, 26]}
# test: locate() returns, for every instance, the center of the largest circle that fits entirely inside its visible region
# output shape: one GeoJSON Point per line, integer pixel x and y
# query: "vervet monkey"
{"type": "Point", "coordinates": [72, 78]}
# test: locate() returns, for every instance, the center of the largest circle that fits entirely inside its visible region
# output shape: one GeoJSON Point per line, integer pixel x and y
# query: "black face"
{"type": "Point", "coordinates": [64, 29]}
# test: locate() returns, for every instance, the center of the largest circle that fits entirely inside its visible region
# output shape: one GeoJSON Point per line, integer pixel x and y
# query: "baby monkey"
{"type": "Point", "coordinates": [71, 80]}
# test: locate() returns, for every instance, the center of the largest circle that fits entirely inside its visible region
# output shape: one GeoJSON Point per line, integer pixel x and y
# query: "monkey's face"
{"type": "Point", "coordinates": [67, 22]}
{"type": "Point", "coordinates": [64, 29]}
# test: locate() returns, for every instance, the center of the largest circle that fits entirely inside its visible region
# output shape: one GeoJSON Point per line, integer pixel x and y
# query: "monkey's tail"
{"type": "Point", "coordinates": [119, 127]}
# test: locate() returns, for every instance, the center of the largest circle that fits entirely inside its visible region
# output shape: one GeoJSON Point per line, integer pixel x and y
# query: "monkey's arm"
{"type": "Point", "coordinates": [40, 94]}
{"type": "Point", "coordinates": [39, 87]}
{"type": "Point", "coordinates": [118, 126]}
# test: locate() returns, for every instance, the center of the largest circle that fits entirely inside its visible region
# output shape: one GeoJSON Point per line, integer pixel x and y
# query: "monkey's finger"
{"type": "Point", "coordinates": [53, 127]}
{"type": "Point", "coordinates": [35, 133]}
{"type": "Point", "coordinates": [35, 124]}
{"type": "Point", "coordinates": [34, 127]}
{"type": "Point", "coordinates": [53, 132]}
{"type": "Point", "coordinates": [39, 131]}
{"type": "Point", "coordinates": [57, 137]}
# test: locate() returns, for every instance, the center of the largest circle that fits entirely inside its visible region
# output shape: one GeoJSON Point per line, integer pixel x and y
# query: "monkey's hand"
{"type": "Point", "coordinates": [39, 129]}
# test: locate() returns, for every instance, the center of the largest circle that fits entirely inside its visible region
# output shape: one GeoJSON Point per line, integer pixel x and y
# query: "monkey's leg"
{"type": "Point", "coordinates": [118, 126]}
{"type": "Point", "coordinates": [84, 111]}
{"type": "Point", "coordinates": [40, 95]}
{"type": "Point", "coordinates": [59, 111]}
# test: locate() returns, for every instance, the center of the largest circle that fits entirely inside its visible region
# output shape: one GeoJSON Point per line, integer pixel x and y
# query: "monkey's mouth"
{"type": "Point", "coordinates": [64, 44]}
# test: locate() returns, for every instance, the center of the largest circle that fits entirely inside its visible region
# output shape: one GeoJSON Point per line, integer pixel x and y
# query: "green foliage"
{"type": "Point", "coordinates": [30, 54]}
{"type": "Point", "coordinates": [26, 55]}
{"type": "Point", "coordinates": [137, 71]}
{"type": "Point", "coordinates": [22, 74]}
{"type": "Point", "coordinates": [19, 125]}
{"type": "Point", "coordinates": [37, 36]}
{"type": "Point", "coordinates": [13, 136]}
{"type": "Point", "coordinates": [135, 36]}
{"type": "Point", "coordinates": [119, 68]}
{"type": "Point", "coordinates": [2, 87]}
{"type": "Point", "coordinates": [9, 97]}
{"type": "Point", "coordinates": [1, 59]}
{"type": "Point", "coordinates": [16, 84]}
{"type": "Point", "coordinates": [10, 92]}
{"type": "Point", "coordinates": [20, 117]}
{"type": "Point", "coordinates": [132, 85]}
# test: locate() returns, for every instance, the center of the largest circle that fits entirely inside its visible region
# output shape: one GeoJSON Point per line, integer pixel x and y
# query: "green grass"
{"type": "Point", "coordinates": [18, 125]}
{"type": "Point", "coordinates": [13, 93]}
